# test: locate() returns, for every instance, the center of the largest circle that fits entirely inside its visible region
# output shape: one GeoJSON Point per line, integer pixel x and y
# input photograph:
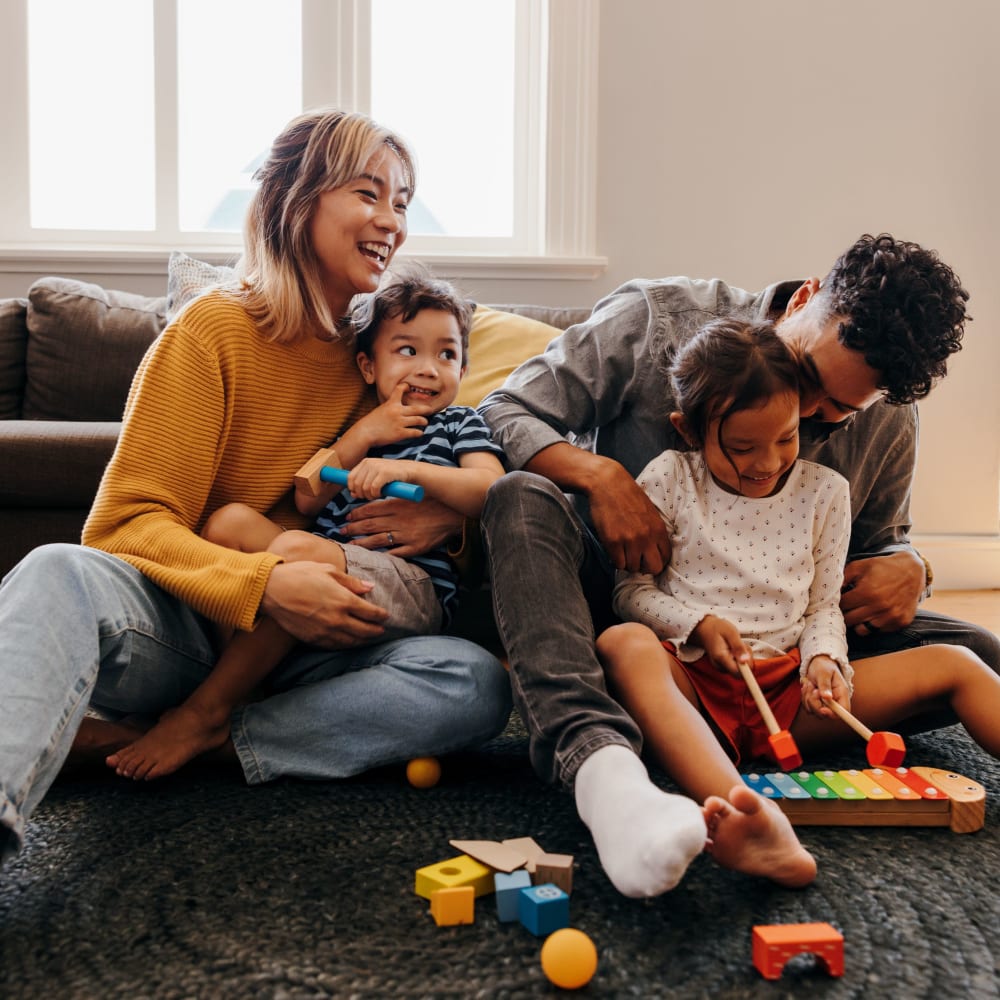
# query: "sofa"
{"type": "Point", "coordinates": [68, 351]}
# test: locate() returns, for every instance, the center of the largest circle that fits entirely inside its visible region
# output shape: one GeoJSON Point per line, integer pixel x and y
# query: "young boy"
{"type": "Point", "coordinates": [412, 345]}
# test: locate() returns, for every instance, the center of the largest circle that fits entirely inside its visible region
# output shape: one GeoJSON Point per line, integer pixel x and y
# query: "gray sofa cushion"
{"type": "Point", "coordinates": [13, 345]}
{"type": "Point", "coordinates": [84, 346]}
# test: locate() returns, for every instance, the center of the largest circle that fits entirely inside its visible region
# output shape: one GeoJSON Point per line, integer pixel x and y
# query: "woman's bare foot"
{"type": "Point", "coordinates": [751, 834]}
{"type": "Point", "coordinates": [182, 734]}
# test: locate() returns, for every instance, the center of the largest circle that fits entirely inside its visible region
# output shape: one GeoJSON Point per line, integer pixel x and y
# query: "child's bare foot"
{"type": "Point", "coordinates": [751, 834]}
{"type": "Point", "coordinates": [182, 734]}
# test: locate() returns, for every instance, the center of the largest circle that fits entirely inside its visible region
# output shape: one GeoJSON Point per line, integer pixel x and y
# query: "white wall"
{"type": "Point", "coordinates": [755, 139]}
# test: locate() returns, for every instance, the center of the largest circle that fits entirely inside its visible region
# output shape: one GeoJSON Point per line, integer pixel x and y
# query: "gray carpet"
{"type": "Point", "coordinates": [197, 886]}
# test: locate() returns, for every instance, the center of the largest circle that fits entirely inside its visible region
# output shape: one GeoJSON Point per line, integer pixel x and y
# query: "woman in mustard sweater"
{"type": "Point", "coordinates": [241, 389]}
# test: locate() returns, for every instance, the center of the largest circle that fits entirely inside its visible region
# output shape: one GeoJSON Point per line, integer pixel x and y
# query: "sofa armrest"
{"type": "Point", "coordinates": [54, 463]}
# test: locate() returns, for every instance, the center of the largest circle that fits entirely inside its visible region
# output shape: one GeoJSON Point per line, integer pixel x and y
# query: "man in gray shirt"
{"type": "Point", "coordinates": [585, 418]}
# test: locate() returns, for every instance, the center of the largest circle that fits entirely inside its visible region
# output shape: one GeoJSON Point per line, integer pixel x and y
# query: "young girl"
{"type": "Point", "coordinates": [758, 542]}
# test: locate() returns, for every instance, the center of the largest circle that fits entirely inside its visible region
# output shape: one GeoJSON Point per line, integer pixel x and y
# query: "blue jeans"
{"type": "Point", "coordinates": [81, 627]}
{"type": "Point", "coordinates": [551, 584]}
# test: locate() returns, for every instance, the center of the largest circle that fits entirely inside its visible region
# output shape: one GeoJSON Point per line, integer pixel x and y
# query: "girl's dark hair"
{"type": "Point", "coordinates": [729, 365]}
{"type": "Point", "coordinates": [404, 293]}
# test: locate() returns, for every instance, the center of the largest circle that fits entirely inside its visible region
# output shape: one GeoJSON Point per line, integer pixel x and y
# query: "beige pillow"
{"type": "Point", "coordinates": [187, 278]}
{"type": "Point", "coordinates": [498, 343]}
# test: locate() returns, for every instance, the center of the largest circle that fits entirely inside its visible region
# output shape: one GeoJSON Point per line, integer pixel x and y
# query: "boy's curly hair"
{"type": "Point", "coordinates": [405, 292]}
{"type": "Point", "coordinates": [903, 309]}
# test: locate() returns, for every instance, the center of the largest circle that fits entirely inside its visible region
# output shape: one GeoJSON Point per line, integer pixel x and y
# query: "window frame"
{"type": "Point", "coordinates": [556, 116]}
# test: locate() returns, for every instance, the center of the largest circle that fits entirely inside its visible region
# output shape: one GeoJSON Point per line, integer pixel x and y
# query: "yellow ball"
{"type": "Point", "coordinates": [569, 958]}
{"type": "Point", "coordinates": [423, 772]}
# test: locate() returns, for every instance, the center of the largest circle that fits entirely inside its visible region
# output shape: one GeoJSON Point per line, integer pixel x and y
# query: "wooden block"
{"type": "Point", "coordinates": [554, 868]}
{"type": "Point", "coordinates": [528, 847]}
{"type": "Point", "coordinates": [543, 909]}
{"type": "Point", "coordinates": [774, 944]}
{"type": "Point", "coordinates": [508, 886]}
{"type": "Point", "coordinates": [452, 873]}
{"type": "Point", "coordinates": [453, 906]}
{"type": "Point", "coordinates": [489, 852]}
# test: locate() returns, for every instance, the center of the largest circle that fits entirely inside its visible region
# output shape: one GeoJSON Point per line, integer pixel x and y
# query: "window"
{"type": "Point", "coordinates": [143, 120]}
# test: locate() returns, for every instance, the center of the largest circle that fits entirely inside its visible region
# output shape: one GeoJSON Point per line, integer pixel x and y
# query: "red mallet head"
{"type": "Point", "coordinates": [786, 753]}
{"type": "Point", "coordinates": [885, 750]}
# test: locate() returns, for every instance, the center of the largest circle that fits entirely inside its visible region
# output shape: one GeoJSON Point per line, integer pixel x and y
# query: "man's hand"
{"type": "Point", "coordinates": [881, 593]}
{"type": "Point", "coordinates": [627, 523]}
{"type": "Point", "coordinates": [722, 643]}
{"type": "Point", "coordinates": [321, 606]}
{"type": "Point", "coordinates": [414, 528]}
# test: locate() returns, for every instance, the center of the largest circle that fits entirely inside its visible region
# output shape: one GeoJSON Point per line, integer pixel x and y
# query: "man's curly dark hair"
{"type": "Point", "coordinates": [903, 309]}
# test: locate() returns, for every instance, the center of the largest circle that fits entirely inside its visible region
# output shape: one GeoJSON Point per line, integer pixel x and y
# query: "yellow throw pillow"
{"type": "Point", "coordinates": [498, 343]}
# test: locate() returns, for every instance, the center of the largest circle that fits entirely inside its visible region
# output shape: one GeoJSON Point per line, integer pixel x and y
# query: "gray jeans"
{"type": "Point", "coordinates": [551, 583]}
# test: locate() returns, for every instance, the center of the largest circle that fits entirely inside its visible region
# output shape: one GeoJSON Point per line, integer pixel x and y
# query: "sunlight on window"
{"type": "Point", "coordinates": [90, 79]}
{"type": "Point", "coordinates": [233, 98]}
{"type": "Point", "coordinates": [443, 77]}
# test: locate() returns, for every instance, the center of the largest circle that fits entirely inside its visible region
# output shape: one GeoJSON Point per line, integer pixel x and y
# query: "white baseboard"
{"type": "Point", "coordinates": [962, 562]}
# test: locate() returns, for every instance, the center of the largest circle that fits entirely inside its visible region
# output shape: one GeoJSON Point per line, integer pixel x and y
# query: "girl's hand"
{"type": "Point", "coordinates": [321, 606]}
{"type": "Point", "coordinates": [823, 680]}
{"type": "Point", "coordinates": [722, 643]}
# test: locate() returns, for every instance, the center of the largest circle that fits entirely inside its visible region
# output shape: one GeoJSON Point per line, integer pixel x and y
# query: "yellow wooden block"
{"type": "Point", "coordinates": [453, 906]}
{"type": "Point", "coordinates": [452, 873]}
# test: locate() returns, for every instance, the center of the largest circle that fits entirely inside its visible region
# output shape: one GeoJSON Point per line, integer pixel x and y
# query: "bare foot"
{"type": "Point", "coordinates": [751, 834]}
{"type": "Point", "coordinates": [182, 734]}
{"type": "Point", "coordinates": [95, 739]}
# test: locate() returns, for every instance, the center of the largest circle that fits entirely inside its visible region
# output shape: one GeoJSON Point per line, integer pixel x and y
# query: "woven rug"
{"type": "Point", "coordinates": [197, 886]}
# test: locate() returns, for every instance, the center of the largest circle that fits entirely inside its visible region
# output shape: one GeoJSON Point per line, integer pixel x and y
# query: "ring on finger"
{"type": "Point", "coordinates": [871, 628]}
{"type": "Point", "coordinates": [389, 536]}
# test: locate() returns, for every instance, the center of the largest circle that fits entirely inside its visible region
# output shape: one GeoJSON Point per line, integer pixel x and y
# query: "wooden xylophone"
{"type": "Point", "coordinates": [900, 796]}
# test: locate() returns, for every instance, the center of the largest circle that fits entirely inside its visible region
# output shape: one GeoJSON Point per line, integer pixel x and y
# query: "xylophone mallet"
{"type": "Point", "coordinates": [883, 749]}
{"type": "Point", "coordinates": [781, 742]}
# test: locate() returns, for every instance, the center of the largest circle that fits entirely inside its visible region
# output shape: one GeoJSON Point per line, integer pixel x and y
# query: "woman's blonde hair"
{"type": "Point", "coordinates": [318, 151]}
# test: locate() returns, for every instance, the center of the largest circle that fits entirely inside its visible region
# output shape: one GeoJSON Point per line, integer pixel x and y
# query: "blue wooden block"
{"type": "Point", "coordinates": [508, 889]}
{"type": "Point", "coordinates": [543, 909]}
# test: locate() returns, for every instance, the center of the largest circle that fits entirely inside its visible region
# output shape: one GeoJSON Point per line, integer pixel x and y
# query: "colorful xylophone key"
{"type": "Point", "coordinates": [917, 796]}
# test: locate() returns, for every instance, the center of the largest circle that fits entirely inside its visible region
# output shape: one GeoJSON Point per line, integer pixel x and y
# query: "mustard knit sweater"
{"type": "Point", "coordinates": [218, 414]}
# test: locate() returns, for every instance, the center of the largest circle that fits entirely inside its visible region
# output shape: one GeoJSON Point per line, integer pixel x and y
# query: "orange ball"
{"type": "Point", "coordinates": [423, 772]}
{"type": "Point", "coordinates": [569, 958]}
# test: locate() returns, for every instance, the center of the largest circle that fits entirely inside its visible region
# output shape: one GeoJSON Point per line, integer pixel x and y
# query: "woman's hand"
{"type": "Point", "coordinates": [403, 527]}
{"type": "Point", "coordinates": [722, 642]}
{"type": "Point", "coordinates": [321, 606]}
{"type": "Point", "coordinates": [821, 682]}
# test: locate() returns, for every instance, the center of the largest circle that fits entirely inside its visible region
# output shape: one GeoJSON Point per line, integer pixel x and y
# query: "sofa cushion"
{"type": "Point", "coordinates": [84, 345]}
{"type": "Point", "coordinates": [187, 278]}
{"type": "Point", "coordinates": [58, 464]}
{"type": "Point", "coordinates": [13, 345]}
{"type": "Point", "coordinates": [498, 342]}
